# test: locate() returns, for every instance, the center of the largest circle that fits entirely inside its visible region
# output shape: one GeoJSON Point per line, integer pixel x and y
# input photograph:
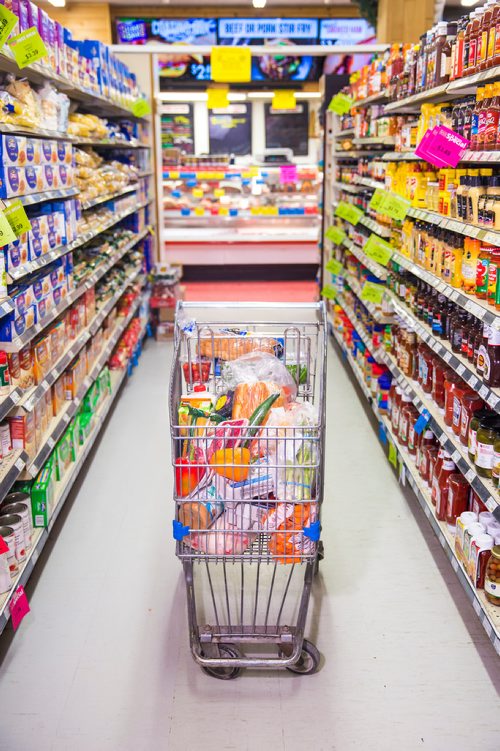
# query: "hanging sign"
{"type": "Point", "coordinates": [141, 108]}
{"type": "Point", "coordinates": [217, 99]}
{"type": "Point", "coordinates": [288, 174]}
{"type": "Point", "coordinates": [340, 104]}
{"type": "Point", "coordinates": [6, 232]}
{"type": "Point", "coordinates": [395, 207]}
{"type": "Point", "coordinates": [329, 292]}
{"type": "Point", "coordinates": [442, 147]}
{"type": "Point", "coordinates": [336, 235]}
{"type": "Point", "coordinates": [350, 213]}
{"type": "Point", "coordinates": [377, 199]}
{"type": "Point", "coordinates": [284, 100]}
{"type": "Point", "coordinates": [378, 250]}
{"type": "Point", "coordinates": [17, 218]}
{"type": "Point", "coordinates": [334, 267]}
{"type": "Point", "coordinates": [231, 64]}
{"type": "Point", "coordinates": [372, 292]}
{"type": "Point", "coordinates": [393, 455]}
{"type": "Point", "coordinates": [28, 47]}
{"type": "Point", "coordinates": [7, 22]}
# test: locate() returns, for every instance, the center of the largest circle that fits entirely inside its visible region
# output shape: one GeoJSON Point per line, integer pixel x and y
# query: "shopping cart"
{"type": "Point", "coordinates": [248, 490]}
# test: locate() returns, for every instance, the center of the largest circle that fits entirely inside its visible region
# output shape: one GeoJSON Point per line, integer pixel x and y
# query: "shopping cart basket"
{"type": "Point", "coordinates": [247, 411]}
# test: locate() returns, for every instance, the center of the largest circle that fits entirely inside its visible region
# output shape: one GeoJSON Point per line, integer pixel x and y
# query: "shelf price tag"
{"type": "Point", "coordinates": [141, 108]}
{"type": "Point", "coordinates": [340, 104]}
{"type": "Point", "coordinates": [442, 147]}
{"type": "Point", "coordinates": [231, 64]}
{"type": "Point", "coordinates": [28, 47]}
{"type": "Point", "coordinates": [372, 292]}
{"type": "Point", "coordinates": [217, 99]}
{"type": "Point", "coordinates": [395, 207]}
{"type": "Point", "coordinates": [288, 174]}
{"type": "Point", "coordinates": [377, 200]}
{"type": "Point", "coordinates": [378, 250]}
{"type": "Point", "coordinates": [19, 607]}
{"type": "Point", "coordinates": [422, 421]}
{"type": "Point", "coordinates": [350, 213]}
{"type": "Point", "coordinates": [6, 232]}
{"type": "Point", "coordinates": [393, 455]}
{"type": "Point", "coordinates": [329, 292]}
{"type": "Point", "coordinates": [284, 100]}
{"type": "Point", "coordinates": [7, 22]}
{"type": "Point", "coordinates": [335, 234]}
{"type": "Point", "coordinates": [17, 217]}
{"type": "Point", "coordinates": [334, 267]}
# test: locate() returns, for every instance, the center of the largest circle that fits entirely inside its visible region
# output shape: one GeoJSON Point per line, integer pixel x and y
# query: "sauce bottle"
{"type": "Point", "coordinates": [460, 391]}
{"type": "Point", "coordinates": [479, 555]}
{"type": "Point", "coordinates": [469, 263]}
{"type": "Point", "coordinates": [452, 380]}
{"type": "Point", "coordinates": [458, 499]}
{"type": "Point", "coordinates": [492, 577]}
{"type": "Point", "coordinates": [482, 47]}
{"type": "Point", "coordinates": [495, 60]}
{"type": "Point", "coordinates": [473, 43]}
{"type": "Point", "coordinates": [482, 271]}
{"type": "Point", "coordinates": [492, 275]}
{"type": "Point", "coordinates": [404, 419]}
{"type": "Point", "coordinates": [474, 126]}
{"type": "Point", "coordinates": [471, 403]}
{"type": "Point", "coordinates": [427, 440]}
{"type": "Point", "coordinates": [464, 520]}
{"type": "Point", "coordinates": [485, 445]}
{"type": "Point", "coordinates": [474, 421]}
{"type": "Point", "coordinates": [448, 469]}
{"type": "Point", "coordinates": [490, 53]}
{"type": "Point", "coordinates": [491, 372]}
{"type": "Point", "coordinates": [457, 54]}
{"type": "Point", "coordinates": [482, 349]}
{"type": "Point", "coordinates": [471, 533]}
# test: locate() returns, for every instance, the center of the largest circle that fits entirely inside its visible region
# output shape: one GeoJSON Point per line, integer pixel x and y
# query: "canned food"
{"type": "Point", "coordinates": [17, 497]}
{"type": "Point", "coordinates": [22, 510]}
{"type": "Point", "coordinates": [15, 521]}
{"type": "Point", "coordinates": [8, 535]}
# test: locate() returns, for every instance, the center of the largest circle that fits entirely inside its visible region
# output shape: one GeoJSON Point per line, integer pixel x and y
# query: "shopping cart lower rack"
{"type": "Point", "coordinates": [247, 410]}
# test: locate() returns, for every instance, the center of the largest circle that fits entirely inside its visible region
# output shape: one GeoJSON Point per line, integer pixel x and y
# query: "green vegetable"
{"type": "Point", "coordinates": [258, 417]}
{"type": "Point", "coordinates": [292, 369]}
{"type": "Point", "coordinates": [195, 412]}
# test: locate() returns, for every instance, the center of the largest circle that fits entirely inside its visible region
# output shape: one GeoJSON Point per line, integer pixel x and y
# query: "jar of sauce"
{"type": "Point", "coordinates": [427, 438]}
{"type": "Point", "coordinates": [448, 469]}
{"type": "Point", "coordinates": [480, 552]}
{"type": "Point", "coordinates": [458, 499]}
{"type": "Point", "coordinates": [438, 376]}
{"type": "Point", "coordinates": [492, 577]}
{"type": "Point", "coordinates": [404, 414]}
{"type": "Point", "coordinates": [471, 403]}
{"type": "Point", "coordinates": [452, 380]}
{"type": "Point", "coordinates": [486, 437]}
{"type": "Point", "coordinates": [491, 370]}
{"type": "Point", "coordinates": [476, 504]}
{"type": "Point", "coordinates": [413, 437]}
{"type": "Point", "coordinates": [427, 362]}
{"type": "Point", "coordinates": [461, 390]}
{"type": "Point", "coordinates": [464, 520]}
{"type": "Point", "coordinates": [435, 469]}
{"type": "Point", "coordinates": [429, 456]}
{"type": "Point", "coordinates": [473, 530]}
{"type": "Point", "coordinates": [473, 428]}
{"type": "Point", "coordinates": [395, 407]}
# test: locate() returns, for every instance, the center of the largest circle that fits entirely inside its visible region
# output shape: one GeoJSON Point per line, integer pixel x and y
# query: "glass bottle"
{"type": "Point", "coordinates": [492, 577]}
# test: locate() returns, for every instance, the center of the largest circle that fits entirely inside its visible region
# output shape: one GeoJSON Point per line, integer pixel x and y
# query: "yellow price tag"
{"type": "Point", "coordinates": [219, 192]}
{"type": "Point", "coordinates": [329, 292]}
{"type": "Point", "coordinates": [217, 99]}
{"type": "Point", "coordinates": [199, 211]}
{"type": "Point", "coordinates": [231, 64]}
{"type": "Point", "coordinates": [28, 47]}
{"type": "Point", "coordinates": [17, 218]}
{"type": "Point", "coordinates": [378, 250]}
{"type": "Point", "coordinates": [335, 234]}
{"type": "Point", "coordinates": [7, 22]}
{"type": "Point", "coordinates": [141, 108]}
{"type": "Point", "coordinates": [223, 211]}
{"type": "Point", "coordinates": [334, 267]}
{"type": "Point", "coordinates": [393, 455]}
{"type": "Point", "coordinates": [173, 175]}
{"type": "Point", "coordinates": [284, 100]}
{"type": "Point", "coordinates": [372, 292]}
{"type": "Point", "coordinates": [197, 193]}
{"type": "Point", "coordinates": [6, 232]}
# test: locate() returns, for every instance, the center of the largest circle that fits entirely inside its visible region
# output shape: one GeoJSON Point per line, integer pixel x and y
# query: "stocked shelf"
{"type": "Point", "coordinates": [110, 144]}
{"type": "Point", "coordinates": [376, 313]}
{"type": "Point", "coordinates": [38, 132]}
{"type": "Point", "coordinates": [348, 187]}
{"type": "Point", "coordinates": [344, 133]}
{"type": "Point", "coordinates": [6, 307]}
{"type": "Point", "coordinates": [382, 140]}
{"type": "Point", "coordinates": [365, 337]}
{"type": "Point", "coordinates": [10, 469]}
{"type": "Point", "coordinates": [379, 98]}
{"type": "Point", "coordinates": [369, 183]}
{"type": "Point", "coordinates": [377, 270]}
{"type": "Point", "coordinates": [47, 195]}
{"type": "Point", "coordinates": [110, 197]}
{"type": "Point", "coordinates": [488, 615]}
{"type": "Point", "coordinates": [357, 153]}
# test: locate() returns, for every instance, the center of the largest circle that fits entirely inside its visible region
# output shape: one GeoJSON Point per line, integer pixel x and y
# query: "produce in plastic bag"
{"type": "Point", "coordinates": [232, 532]}
{"type": "Point", "coordinates": [234, 344]}
{"type": "Point", "coordinates": [260, 366]}
{"type": "Point", "coordinates": [286, 523]}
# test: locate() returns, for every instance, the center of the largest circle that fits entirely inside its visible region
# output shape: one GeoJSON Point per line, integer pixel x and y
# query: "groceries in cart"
{"type": "Point", "coordinates": [247, 447]}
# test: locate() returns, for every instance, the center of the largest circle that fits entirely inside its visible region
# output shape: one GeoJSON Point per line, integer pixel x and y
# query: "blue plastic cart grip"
{"type": "Point", "coordinates": [313, 531]}
{"type": "Point", "coordinates": [179, 530]}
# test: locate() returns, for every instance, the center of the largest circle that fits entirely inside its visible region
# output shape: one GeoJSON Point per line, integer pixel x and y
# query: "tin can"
{"type": "Point", "coordinates": [22, 510]}
{"type": "Point", "coordinates": [8, 535]}
{"type": "Point", "coordinates": [15, 521]}
{"type": "Point", "coordinates": [5, 439]}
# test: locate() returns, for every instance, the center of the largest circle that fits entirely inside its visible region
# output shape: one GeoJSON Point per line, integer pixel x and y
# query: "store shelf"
{"type": "Point", "coordinates": [376, 312]}
{"type": "Point", "coordinates": [346, 133]}
{"type": "Point", "coordinates": [363, 333]}
{"type": "Point", "coordinates": [369, 183]}
{"type": "Point", "coordinates": [110, 144]}
{"type": "Point", "coordinates": [6, 307]}
{"type": "Point", "coordinates": [372, 140]}
{"type": "Point", "coordinates": [10, 469]}
{"type": "Point", "coordinates": [379, 98]}
{"type": "Point", "coordinates": [479, 308]}
{"type": "Point", "coordinates": [37, 132]}
{"type": "Point", "coordinates": [47, 195]}
{"type": "Point", "coordinates": [443, 349]}
{"type": "Point", "coordinates": [488, 615]}
{"type": "Point", "coordinates": [110, 197]}
{"type": "Point", "coordinates": [374, 226]}
{"type": "Point", "coordinates": [400, 156]}
{"type": "Point", "coordinates": [348, 187]}
{"type": "Point", "coordinates": [470, 157]}
{"type": "Point", "coordinates": [438, 93]}
{"type": "Point", "coordinates": [377, 270]}
{"type": "Point", "coordinates": [40, 536]}
{"type": "Point", "coordinates": [357, 153]}
{"type": "Point", "coordinates": [20, 341]}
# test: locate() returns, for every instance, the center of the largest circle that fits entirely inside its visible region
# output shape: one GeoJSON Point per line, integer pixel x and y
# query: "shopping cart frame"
{"type": "Point", "coordinates": [214, 647]}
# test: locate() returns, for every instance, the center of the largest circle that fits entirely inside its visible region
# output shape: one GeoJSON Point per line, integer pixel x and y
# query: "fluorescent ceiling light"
{"type": "Point", "coordinates": [469, 3]}
{"type": "Point", "coordinates": [270, 94]}
{"type": "Point", "coordinates": [196, 96]}
{"type": "Point", "coordinates": [58, 3]}
{"type": "Point", "coordinates": [259, 3]}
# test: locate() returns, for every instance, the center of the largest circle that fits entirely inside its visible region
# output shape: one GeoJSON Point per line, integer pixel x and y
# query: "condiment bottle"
{"type": "Point", "coordinates": [465, 519]}
{"type": "Point", "coordinates": [492, 121]}
{"type": "Point", "coordinates": [436, 469]}
{"type": "Point", "coordinates": [473, 43]}
{"type": "Point", "coordinates": [427, 362]}
{"type": "Point", "coordinates": [438, 376]}
{"type": "Point", "coordinates": [492, 577]}
{"type": "Point", "coordinates": [482, 270]}
{"type": "Point", "coordinates": [471, 403]}
{"type": "Point", "coordinates": [448, 469]}
{"type": "Point", "coordinates": [479, 555]}
{"type": "Point", "coordinates": [404, 419]}
{"type": "Point", "coordinates": [452, 381]}
{"type": "Point", "coordinates": [429, 456]}
{"type": "Point", "coordinates": [460, 391]}
{"type": "Point", "coordinates": [469, 262]}
{"type": "Point", "coordinates": [483, 348]}
{"type": "Point", "coordinates": [477, 416]}
{"type": "Point", "coordinates": [495, 472]}
{"type": "Point", "coordinates": [427, 440]}
{"type": "Point", "coordinates": [474, 129]}
{"type": "Point", "coordinates": [485, 445]}
{"type": "Point", "coordinates": [395, 407]}
{"type": "Point", "coordinates": [4, 374]}
{"type": "Point", "coordinates": [413, 438]}
{"type": "Point", "coordinates": [492, 275]}
{"type": "Point", "coordinates": [491, 371]}
{"type": "Point", "coordinates": [482, 47]}
{"type": "Point", "coordinates": [472, 531]}
{"type": "Point", "coordinates": [458, 499]}
{"type": "Point", "coordinates": [490, 52]}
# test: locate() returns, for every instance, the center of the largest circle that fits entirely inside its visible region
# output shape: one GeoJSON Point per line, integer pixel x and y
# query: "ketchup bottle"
{"type": "Point", "coordinates": [448, 469]}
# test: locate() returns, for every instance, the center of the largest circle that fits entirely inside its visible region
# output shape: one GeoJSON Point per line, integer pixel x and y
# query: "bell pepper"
{"type": "Point", "coordinates": [233, 463]}
{"type": "Point", "coordinates": [189, 471]}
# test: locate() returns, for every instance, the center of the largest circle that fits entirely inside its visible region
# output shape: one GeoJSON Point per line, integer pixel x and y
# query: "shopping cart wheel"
{"type": "Point", "coordinates": [308, 661]}
{"type": "Point", "coordinates": [225, 674]}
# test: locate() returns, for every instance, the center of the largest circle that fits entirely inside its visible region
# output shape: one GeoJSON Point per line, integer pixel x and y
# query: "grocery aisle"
{"type": "Point", "coordinates": [102, 663]}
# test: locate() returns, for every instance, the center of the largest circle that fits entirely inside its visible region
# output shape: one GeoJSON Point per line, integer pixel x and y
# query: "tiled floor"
{"type": "Point", "coordinates": [102, 663]}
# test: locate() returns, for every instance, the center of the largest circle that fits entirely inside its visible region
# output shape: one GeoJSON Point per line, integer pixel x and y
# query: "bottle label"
{"type": "Point", "coordinates": [471, 62]}
{"type": "Point", "coordinates": [482, 275]}
{"type": "Point", "coordinates": [497, 39]}
{"type": "Point", "coordinates": [457, 411]}
{"type": "Point", "coordinates": [434, 488]}
{"type": "Point", "coordinates": [485, 455]}
{"type": "Point", "coordinates": [464, 422]}
{"type": "Point", "coordinates": [486, 367]}
{"type": "Point", "coordinates": [472, 442]}
{"type": "Point", "coordinates": [4, 375]}
{"type": "Point", "coordinates": [482, 49]}
{"type": "Point", "coordinates": [491, 126]}
{"type": "Point", "coordinates": [469, 271]}
{"type": "Point", "coordinates": [493, 588]}
{"type": "Point", "coordinates": [491, 43]}
{"type": "Point", "coordinates": [481, 356]}
{"type": "Point", "coordinates": [492, 279]}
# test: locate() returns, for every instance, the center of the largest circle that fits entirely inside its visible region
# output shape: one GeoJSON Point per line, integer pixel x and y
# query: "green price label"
{"type": "Point", "coordinates": [395, 207]}
{"type": "Point", "coordinates": [17, 218]}
{"type": "Point", "coordinates": [7, 22]}
{"type": "Point", "coordinates": [377, 199]}
{"type": "Point", "coordinates": [329, 292]}
{"type": "Point", "coordinates": [28, 47]}
{"type": "Point", "coordinates": [6, 233]}
{"type": "Point", "coordinates": [334, 267]}
{"type": "Point", "coordinates": [141, 108]}
{"type": "Point", "coordinates": [372, 292]}
{"type": "Point", "coordinates": [340, 104]}
{"type": "Point", "coordinates": [378, 250]}
{"type": "Point", "coordinates": [350, 213]}
{"type": "Point", "coordinates": [335, 234]}
{"type": "Point", "coordinates": [393, 455]}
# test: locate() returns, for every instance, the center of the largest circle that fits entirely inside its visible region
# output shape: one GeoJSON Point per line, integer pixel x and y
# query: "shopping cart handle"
{"type": "Point", "coordinates": [179, 530]}
{"type": "Point", "coordinates": [313, 532]}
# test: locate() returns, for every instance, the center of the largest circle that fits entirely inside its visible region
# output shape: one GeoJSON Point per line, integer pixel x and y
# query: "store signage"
{"type": "Point", "coordinates": [390, 204]}
{"type": "Point", "coordinates": [170, 30]}
{"type": "Point", "coordinates": [217, 99]}
{"type": "Point", "coordinates": [19, 607]}
{"type": "Point", "coordinates": [334, 267]}
{"type": "Point", "coordinates": [17, 218]}
{"type": "Point", "coordinates": [7, 22]}
{"type": "Point", "coordinates": [372, 292]}
{"type": "Point", "coordinates": [28, 47]}
{"type": "Point", "coordinates": [378, 250]}
{"type": "Point", "coordinates": [288, 174]}
{"type": "Point", "coordinates": [6, 232]}
{"type": "Point", "coordinates": [284, 100]}
{"type": "Point", "coordinates": [377, 199]}
{"type": "Point", "coordinates": [350, 213]}
{"type": "Point", "coordinates": [442, 147]}
{"type": "Point", "coordinates": [230, 130]}
{"type": "Point", "coordinates": [141, 108]}
{"type": "Point", "coordinates": [345, 31]}
{"type": "Point", "coordinates": [335, 234]}
{"type": "Point", "coordinates": [329, 292]}
{"type": "Point", "coordinates": [253, 30]}
{"type": "Point", "coordinates": [340, 104]}
{"type": "Point", "coordinates": [231, 64]}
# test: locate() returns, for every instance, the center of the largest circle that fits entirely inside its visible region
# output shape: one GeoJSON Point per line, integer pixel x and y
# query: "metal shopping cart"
{"type": "Point", "coordinates": [248, 487]}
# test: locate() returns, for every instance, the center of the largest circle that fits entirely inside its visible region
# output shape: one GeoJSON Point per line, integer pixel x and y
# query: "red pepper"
{"type": "Point", "coordinates": [188, 475]}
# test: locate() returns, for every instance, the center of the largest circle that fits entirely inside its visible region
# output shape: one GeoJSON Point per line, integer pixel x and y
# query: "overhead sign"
{"type": "Point", "coordinates": [170, 30]}
{"type": "Point", "coordinates": [256, 29]}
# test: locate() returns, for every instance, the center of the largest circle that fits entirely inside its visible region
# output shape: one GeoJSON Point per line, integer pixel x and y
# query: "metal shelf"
{"type": "Point", "coordinates": [488, 615]}
{"type": "Point", "coordinates": [363, 333]}
{"type": "Point", "coordinates": [344, 133]}
{"type": "Point", "coordinates": [357, 154]}
{"type": "Point", "coordinates": [382, 140]}
{"type": "Point", "coordinates": [47, 195]}
{"type": "Point", "coordinates": [379, 271]}
{"type": "Point", "coordinates": [379, 98]}
{"type": "Point", "coordinates": [109, 144]}
{"type": "Point", "coordinates": [348, 187]}
{"type": "Point", "coordinates": [374, 311]}
{"type": "Point", "coordinates": [10, 469]}
{"type": "Point", "coordinates": [369, 183]}
{"type": "Point", "coordinates": [37, 132]}
{"type": "Point", "coordinates": [102, 199]}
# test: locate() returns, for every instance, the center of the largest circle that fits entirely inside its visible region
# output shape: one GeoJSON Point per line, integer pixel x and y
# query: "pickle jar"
{"type": "Point", "coordinates": [487, 435]}
{"type": "Point", "coordinates": [492, 577]}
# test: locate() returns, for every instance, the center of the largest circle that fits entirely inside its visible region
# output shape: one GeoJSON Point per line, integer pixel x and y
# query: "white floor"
{"type": "Point", "coordinates": [102, 662]}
